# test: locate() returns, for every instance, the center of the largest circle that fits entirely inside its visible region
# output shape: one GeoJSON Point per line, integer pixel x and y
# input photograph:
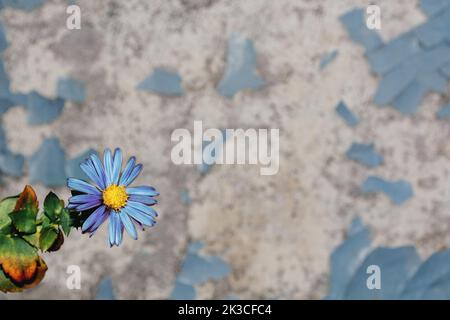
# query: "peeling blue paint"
{"type": "Point", "coordinates": [347, 257]}
{"type": "Point", "coordinates": [71, 89]}
{"type": "Point", "coordinates": [26, 5]}
{"type": "Point", "coordinates": [364, 154]}
{"type": "Point", "coordinates": [354, 22]}
{"type": "Point", "coordinates": [3, 40]}
{"type": "Point", "coordinates": [12, 164]}
{"type": "Point", "coordinates": [197, 269]}
{"type": "Point", "coordinates": [346, 114]}
{"type": "Point", "coordinates": [444, 113]}
{"type": "Point", "coordinates": [431, 7]}
{"type": "Point", "coordinates": [413, 63]}
{"type": "Point", "coordinates": [403, 274]}
{"type": "Point", "coordinates": [105, 290]}
{"type": "Point", "coordinates": [398, 191]}
{"type": "Point", "coordinates": [72, 166]}
{"type": "Point", "coordinates": [42, 110]}
{"type": "Point", "coordinates": [47, 164]}
{"type": "Point", "coordinates": [162, 82]}
{"type": "Point", "coordinates": [327, 58]}
{"type": "Point", "coordinates": [185, 197]}
{"type": "Point", "coordinates": [240, 72]}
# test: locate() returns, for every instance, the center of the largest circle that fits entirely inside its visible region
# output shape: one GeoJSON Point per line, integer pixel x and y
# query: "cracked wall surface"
{"type": "Point", "coordinates": [276, 232]}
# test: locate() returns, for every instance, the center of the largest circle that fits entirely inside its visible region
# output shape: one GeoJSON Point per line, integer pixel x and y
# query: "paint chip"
{"type": "Point", "coordinates": [398, 191]}
{"type": "Point", "coordinates": [197, 269]}
{"type": "Point", "coordinates": [47, 164]}
{"type": "Point", "coordinates": [26, 5]}
{"type": "Point", "coordinates": [327, 58]}
{"type": "Point", "coordinates": [346, 114]}
{"type": "Point", "coordinates": [346, 258]}
{"type": "Point", "coordinates": [364, 154]}
{"type": "Point", "coordinates": [42, 110]}
{"type": "Point", "coordinates": [71, 89]}
{"type": "Point", "coordinates": [240, 72]}
{"type": "Point", "coordinates": [354, 22]}
{"type": "Point", "coordinates": [444, 112]}
{"type": "Point", "coordinates": [105, 290]}
{"type": "Point", "coordinates": [3, 40]}
{"type": "Point", "coordinates": [413, 63]}
{"type": "Point", "coordinates": [162, 82]}
{"type": "Point", "coordinates": [12, 164]}
{"type": "Point", "coordinates": [396, 265]}
{"type": "Point", "coordinates": [431, 7]}
{"type": "Point", "coordinates": [185, 197]}
{"type": "Point", "coordinates": [393, 53]}
{"type": "Point", "coordinates": [72, 166]}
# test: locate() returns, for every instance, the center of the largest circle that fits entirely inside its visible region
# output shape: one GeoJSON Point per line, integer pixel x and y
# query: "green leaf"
{"type": "Point", "coordinates": [49, 234]}
{"type": "Point", "coordinates": [20, 263]}
{"type": "Point", "coordinates": [6, 207]}
{"type": "Point", "coordinates": [24, 221]}
{"type": "Point", "coordinates": [53, 206]}
{"type": "Point", "coordinates": [45, 221]}
{"type": "Point", "coordinates": [33, 238]}
{"type": "Point", "coordinates": [66, 221]}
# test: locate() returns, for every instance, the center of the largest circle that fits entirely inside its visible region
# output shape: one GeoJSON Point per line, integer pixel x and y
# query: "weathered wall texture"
{"type": "Point", "coordinates": [276, 232]}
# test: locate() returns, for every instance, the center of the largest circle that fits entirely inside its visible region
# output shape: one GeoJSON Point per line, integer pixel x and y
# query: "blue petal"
{"type": "Point", "coordinates": [83, 198]}
{"type": "Point", "coordinates": [89, 169]}
{"type": "Point", "coordinates": [139, 216]}
{"type": "Point", "coordinates": [82, 186]}
{"type": "Point", "coordinates": [93, 218]}
{"type": "Point", "coordinates": [117, 166]}
{"type": "Point", "coordinates": [89, 205]}
{"type": "Point", "coordinates": [108, 161]}
{"type": "Point", "coordinates": [133, 175]}
{"type": "Point", "coordinates": [72, 205]}
{"type": "Point", "coordinates": [128, 169]}
{"type": "Point", "coordinates": [99, 221]}
{"type": "Point", "coordinates": [112, 229]}
{"type": "Point", "coordinates": [119, 230]}
{"type": "Point", "coordinates": [100, 170]}
{"type": "Point", "coordinates": [143, 191]}
{"type": "Point", "coordinates": [142, 207]}
{"type": "Point", "coordinates": [143, 199]}
{"type": "Point", "coordinates": [129, 226]}
{"type": "Point", "coordinates": [115, 229]}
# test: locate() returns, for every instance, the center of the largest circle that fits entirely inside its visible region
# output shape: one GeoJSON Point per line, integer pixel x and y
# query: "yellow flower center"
{"type": "Point", "coordinates": [115, 197]}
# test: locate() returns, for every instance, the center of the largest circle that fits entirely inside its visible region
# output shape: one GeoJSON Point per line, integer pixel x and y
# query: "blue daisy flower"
{"type": "Point", "coordinates": [112, 197]}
